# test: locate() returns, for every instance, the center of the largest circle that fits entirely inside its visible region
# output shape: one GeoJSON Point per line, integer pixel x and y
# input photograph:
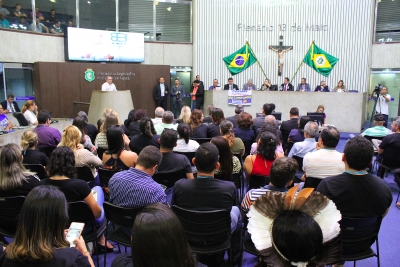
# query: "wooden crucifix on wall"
{"type": "Point", "coordinates": [280, 49]}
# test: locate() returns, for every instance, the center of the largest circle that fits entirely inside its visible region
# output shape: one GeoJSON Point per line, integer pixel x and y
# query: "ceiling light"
{"type": "Point", "coordinates": [169, 8]}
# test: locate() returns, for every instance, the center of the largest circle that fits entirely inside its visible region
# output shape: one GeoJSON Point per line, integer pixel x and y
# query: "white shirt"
{"type": "Point", "coordinates": [382, 105]}
{"type": "Point", "coordinates": [162, 88]}
{"type": "Point", "coordinates": [30, 117]}
{"type": "Point", "coordinates": [157, 121]}
{"type": "Point", "coordinates": [108, 87]}
{"type": "Point", "coordinates": [323, 163]}
{"type": "Point", "coordinates": [300, 149]}
{"type": "Point", "coordinates": [192, 146]}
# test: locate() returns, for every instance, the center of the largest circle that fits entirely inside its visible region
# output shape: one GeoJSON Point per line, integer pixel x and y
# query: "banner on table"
{"type": "Point", "coordinates": [236, 97]}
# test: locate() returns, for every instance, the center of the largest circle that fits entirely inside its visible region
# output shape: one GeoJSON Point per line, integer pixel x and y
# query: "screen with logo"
{"type": "Point", "coordinates": [95, 45]}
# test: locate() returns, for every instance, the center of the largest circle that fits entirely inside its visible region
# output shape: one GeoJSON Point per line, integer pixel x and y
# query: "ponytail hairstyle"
{"type": "Point", "coordinates": [27, 105]}
{"type": "Point", "coordinates": [146, 127]}
{"type": "Point", "coordinates": [183, 131]}
{"type": "Point", "coordinates": [28, 140]}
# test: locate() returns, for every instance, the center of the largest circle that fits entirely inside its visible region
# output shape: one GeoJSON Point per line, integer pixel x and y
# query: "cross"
{"type": "Point", "coordinates": [280, 49]}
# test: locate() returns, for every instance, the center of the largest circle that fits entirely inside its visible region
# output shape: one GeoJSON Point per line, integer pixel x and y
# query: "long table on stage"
{"type": "Point", "coordinates": [15, 137]}
{"type": "Point", "coordinates": [346, 111]}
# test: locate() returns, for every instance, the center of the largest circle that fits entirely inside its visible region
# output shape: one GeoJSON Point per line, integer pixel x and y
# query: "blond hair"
{"type": "Point", "coordinates": [320, 106]}
{"type": "Point", "coordinates": [29, 139]}
{"type": "Point", "coordinates": [106, 112]}
{"type": "Point", "coordinates": [27, 105]}
{"type": "Point", "coordinates": [111, 120]}
{"type": "Point", "coordinates": [185, 114]}
{"type": "Point", "coordinates": [71, 137]}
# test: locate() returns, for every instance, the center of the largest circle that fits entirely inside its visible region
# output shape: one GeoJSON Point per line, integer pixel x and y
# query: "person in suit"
{"type": "Point", "coordinates": [9, 105]}
{"type": "Point", "coordinates": [322, 87]}
{"type": "Point", "coordinates": [238, 109]}
{"type": "Point", "coordinates": [160, 93]}
{"type": "Point", "coordinates": [286, 86]}
{"type": "Point", "coordinates": [287, 126]}
{"type": "Point", "coordinates": [201, 82]}
{"type": "Point", "coordinates": [249, 85]}
{"type": "Point", "coordinates": [303, 86]}
{"type": "Point", "coordinates": [230, 85]}
{"type": "Point", "coordinates": [266, 110]}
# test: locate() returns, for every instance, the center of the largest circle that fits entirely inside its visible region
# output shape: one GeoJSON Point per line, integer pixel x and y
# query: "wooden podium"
{"type": "Point", "coordinates": [346, 111]}
{"type": "Point", "coordinates": [120, 101]}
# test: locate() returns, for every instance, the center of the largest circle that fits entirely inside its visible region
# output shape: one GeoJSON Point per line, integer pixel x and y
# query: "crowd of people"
{"type": "Point", "coordinates": [140, 148]}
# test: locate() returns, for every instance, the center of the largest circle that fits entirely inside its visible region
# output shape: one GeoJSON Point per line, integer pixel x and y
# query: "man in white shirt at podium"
{"type": "Point", "coordinates": [108, 85]}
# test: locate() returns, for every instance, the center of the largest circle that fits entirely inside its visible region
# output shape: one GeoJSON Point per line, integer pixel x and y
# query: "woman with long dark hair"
{"type": "Point", "coordinates": [261, 162]}
{"type": "Point", "coordinates": [116, 157]}
{"type": "Point", "coordinates": [81, 124]}
{"type": "Point", "coordinates": [134, 128]}
{"type": "Point", "coordinates": [236, 144]}
{"type": "Point", "coordinates": [158, 239]}
{"type": "Point", "coordinates": [228, 162]}
{"type": "Point", "coordinates": [184, 144]}
{"type": "Point", "coordinates": [217, 116]}
{"type": "Point", "coordinates": [40, 237]}
{"type": "Point", "coordinates": [147, 137]}
{"type": "Point", "coordinates": [197, 128]}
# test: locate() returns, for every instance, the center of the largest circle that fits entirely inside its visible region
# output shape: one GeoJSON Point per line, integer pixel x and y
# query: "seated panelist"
{"type": "Point", "coordinates": [322, 87]}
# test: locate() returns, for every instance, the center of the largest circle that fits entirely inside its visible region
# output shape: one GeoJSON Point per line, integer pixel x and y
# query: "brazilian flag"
{"type": "Point", "coordinates": [240, 60]}
{"type": "Point", "coordinates": [319, 60]}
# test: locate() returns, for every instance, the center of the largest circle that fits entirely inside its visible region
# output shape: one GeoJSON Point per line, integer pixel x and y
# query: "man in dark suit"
{"type": "Point", "coordinates": [259, 122]}
{"type": "Point", "coordinates": [199, 95]}
{"type": "Point", "coordinates": [230, 85]}
{"type": "Point", "coordinates": [286, 86]}
{"type": "Point", "coordinates": [288, 125]}
{"type": "Point", "coordinates": [238, 109]}
{"type": "Point", "coordinates": [9, 105]}
{"type": "Point", "coordinates": [322, 87]}
{"type": "Point", "coordinates": [160, 93]}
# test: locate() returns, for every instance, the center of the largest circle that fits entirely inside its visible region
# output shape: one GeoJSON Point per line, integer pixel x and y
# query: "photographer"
{"type": "Point", "coordinates": [178, 93]}
{"type": "Point", "coordinates": [382, 106]}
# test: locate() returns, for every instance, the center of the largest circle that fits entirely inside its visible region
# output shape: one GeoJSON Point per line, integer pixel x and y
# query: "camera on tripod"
{"type": "Point", "coordinates": [378, 89]}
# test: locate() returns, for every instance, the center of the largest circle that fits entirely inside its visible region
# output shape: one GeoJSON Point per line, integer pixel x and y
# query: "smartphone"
{"type": "Point", "coordinates": [74, 232]}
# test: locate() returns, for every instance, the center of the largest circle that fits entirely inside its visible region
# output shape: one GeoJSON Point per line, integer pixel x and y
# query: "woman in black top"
{"type": "Point", "coordinates": [217, 115]}
{"type": "Point", "coordinates": [29, 140]}
{"type": "Point", "coordinates": [197, 128]}
{"type": "Point", "coordinates": [133, 127]}
{"type": "Point", "coordinates": [148, 136]}
{"type": "Point", "coordinates": [40, 239]}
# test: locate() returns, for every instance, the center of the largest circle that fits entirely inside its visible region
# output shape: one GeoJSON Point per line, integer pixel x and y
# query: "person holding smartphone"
{"type": "Point", "coordinates": [40, 239]}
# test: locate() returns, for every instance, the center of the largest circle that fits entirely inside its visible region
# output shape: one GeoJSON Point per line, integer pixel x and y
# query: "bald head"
{"type": "Point", "coordinates": [270, 120]}
{"type": "Point", "coordinates": [159, 112]}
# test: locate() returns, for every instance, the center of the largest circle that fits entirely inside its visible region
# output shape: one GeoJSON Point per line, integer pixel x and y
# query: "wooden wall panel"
{"type": "Point", "coordinates": [58, 85]}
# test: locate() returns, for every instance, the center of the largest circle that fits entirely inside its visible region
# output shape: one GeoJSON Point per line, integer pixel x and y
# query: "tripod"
{"type": "Point", "coordinates": [374, 112]}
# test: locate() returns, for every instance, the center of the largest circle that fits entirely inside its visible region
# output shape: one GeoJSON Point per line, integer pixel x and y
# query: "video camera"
{"type": "Point", "coordinates": [378, 89]}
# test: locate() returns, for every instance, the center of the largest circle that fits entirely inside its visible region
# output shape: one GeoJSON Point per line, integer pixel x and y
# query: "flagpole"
{"type": "Point", "coordinates": [301, 63]}
{"type": "Point", "coordinates": [257, 60]}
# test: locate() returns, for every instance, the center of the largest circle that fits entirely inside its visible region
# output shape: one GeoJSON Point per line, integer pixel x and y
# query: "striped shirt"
{"type": "Point", "coordinates": [135, 189]}
{"type": "Point", "coordinates": [253, 194]}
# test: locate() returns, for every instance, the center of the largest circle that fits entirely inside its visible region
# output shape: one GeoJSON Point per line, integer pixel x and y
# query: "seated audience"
{"type": "Point", "coordinates": [9, 105]}
{"type": "Point", "coordinates": [326, 161]}
{"type": "Point", "coordinates": [3, 21]}
{"type": "Point", "coordinates": [238, 109]}
{"type": "Point", "coordinates": [321, 109]}
{"type": "Point", "coordinates": [148, 136]}
{"type": "Point", "coordinates": [288, 125]}
{"type": "Point", "coordinates": [4, 121]}
{"type": "Point", "coordinates": [167, 250]}
{"type": "Point", "coordinates": [130, 118]}
{"type": "Point", "coordinates": [3, 9]}
{"type": "Point", "coordinates": [269, 120]}
{"type": "Point", "coordinates": [207, 119]}
{"type": "Point", "coordinates": [217, 116]}
{"type": "Point", "coordinates": [310, 222]}
{"type": "Point", "coordinates": [116, 157]}
{"type": "Point", "coordinates": [389, 148]}
{"type": "Point", "coordinates": [40, 237]}
{"type": "Point", "coordinates": [101, 138]}
{"type": "Point", "coordinates": [228, 162]}
{"type": "Point", "coordinates": [49, 137]}
{"type": "Point", "coordinates": [158, 113]}
{"type": "Point", "coordinates": [29, 111]}
{"type": "Point", "coordinates": [244, 130]}
{"type": "Point", "coordinates": [197, 128]}
{"type": "Point", "coordinates": [184, 144]}
{"type": "Point", "coordinates": [282, 174]}
{"type": "Point", "coordinates": [52, 17]}
{"type": "Point", "coordinates": [268, 127]}
{"type": "Point", "coordinates": [80, 123]}
{"type": "Point", "coordinates": [300, 149]}
{"type": "Point", "coordinates": [172, 162]}
{"type": "Point", "coordinates": [29, 141]}
{"type": "Point", "coordinates": [106, 112]}
{"type": "Point", "coordinates": [38, 14]}
{"type": "Point", "coordinates": [22, 25]}
{"type": "Point", "coordinates": [261, 162]}
{"type": "Point", "coordinates": [71, 137]}
{"type": "Point", "coordinates": [378, 130]}
{"type": "Point", "coordinates": [259, 122]}
{"type": "Point", "coordinates": [17, 11]}
{"type": "Point", "coordinates": [184, 117]}
{"type": "Point", "coordinates": [236, 144]}
{"type": "Point", "coordinates": [297, 135]}
{"type": "Point", "coordinates": [133, 127]}
{"type": "Point", "coordinates": [56, 28]}
{"type": "Point", "coordinates": [39, 27]}
{"type": "Point", "coordinates": [167, 123]}
{"type": "Point", "coordinates": [91, 130]}
{"type": "Point", "coordinates": [355, 192]}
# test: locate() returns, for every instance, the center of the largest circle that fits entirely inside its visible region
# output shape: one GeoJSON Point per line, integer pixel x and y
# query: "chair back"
{"type": "Point", "coordinates": [169, 178]}
{"type": "Point", "coordinates": [201, 140]}
{"type": "Point", "coordinates": [288, 148]}
{"type": "Point", "coordinates": [46, 150]}
{"type": "Point", "coordinates": [38, 169]}
{"type": "Point", "coordinates": [358, 234]}
{"type": "Point", "coordinates": [20, 118]}
{"type": "Point", "coordinates": [257, 181]}
{"type": "Point", "coordinates": [205, 227]}
{"type": "Point", "coordinates": [10, 207]}
{"type": "Point", "coordinates": [247, 147]}
{"type": "Point", "coordinates": [122, 216]}
{"type": "Point", "coordinates": [311, 182]}
{"type": "Point", "coordinates": [105, 175]}
{"type": "Point", "coordinates": [189, 155]}
{"type": "Point", "coordinates": [369, 137]}
{"type": "Point", "coordinates": [299, 162]}
{"type": "Point", "coordinates": [84, 173]}
{"type": "Point", "coordinates": [79, 211]}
